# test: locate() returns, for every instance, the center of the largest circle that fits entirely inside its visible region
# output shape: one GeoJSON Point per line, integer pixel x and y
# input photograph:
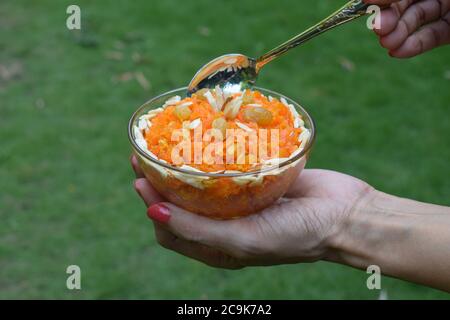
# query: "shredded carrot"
{"type": "Point", "coordinates": [159, 136]}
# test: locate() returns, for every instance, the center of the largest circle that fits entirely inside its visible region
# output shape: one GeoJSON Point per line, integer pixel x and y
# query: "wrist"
{"type": "Point", "coordinates": [405, 238]}
{"type": "Point", "coordinates": [345, 244]}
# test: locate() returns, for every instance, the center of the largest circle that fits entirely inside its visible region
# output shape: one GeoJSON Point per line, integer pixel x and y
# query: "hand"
{"type": "Point", "coordinates": [411, 27]}
{"type": "Point", "coordinates": [296, 229]}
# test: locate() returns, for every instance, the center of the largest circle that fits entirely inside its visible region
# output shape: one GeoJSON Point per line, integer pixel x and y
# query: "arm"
{"type": "Point", "coordinates": [405, 238]}
{"type": "Point", "coordinates": [325, 215]}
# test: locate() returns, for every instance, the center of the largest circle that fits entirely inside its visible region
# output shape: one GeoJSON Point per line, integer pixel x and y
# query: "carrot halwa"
{"type": "Point", "coordinates": [245, 141]}
{"type": "Point", "coordinates": [249, 111]}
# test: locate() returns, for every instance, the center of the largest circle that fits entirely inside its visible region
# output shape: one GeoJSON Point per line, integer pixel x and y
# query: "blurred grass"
{"type": "Point", "coordinates": [66, 193]}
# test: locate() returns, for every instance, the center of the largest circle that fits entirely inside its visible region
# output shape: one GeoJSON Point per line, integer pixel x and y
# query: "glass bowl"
{"type": "Point", "coordinates": [208, 194]}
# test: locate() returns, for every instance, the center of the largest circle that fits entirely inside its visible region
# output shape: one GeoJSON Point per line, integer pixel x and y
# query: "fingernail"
{"type": "Point", "coordinates": [159, 212]}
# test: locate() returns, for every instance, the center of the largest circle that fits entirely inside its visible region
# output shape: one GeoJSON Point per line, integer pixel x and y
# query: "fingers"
{"type": "Point", "coordinates": [196, 251]}
{"type": "Point", "coordinates": [136, 168]}
{"type": "Point", "coordinates": [431, 36]}
{"type": "Point", "coordinates": [229, 236]}
{"type": "Point", "coordinates": [391, 15]}
{"type": "Point", "coordinates": [401, 6]}
{"type": "Point", "coordinates": [411, 27]}
{"type": "Point", "coordinates": [388, 21]}
{"type": "Point", "coordinates": [199, 252]}
{"type": "Point", "coordinates": [147, 192]}
{"type": "Point", "coordinates": [412, 19]}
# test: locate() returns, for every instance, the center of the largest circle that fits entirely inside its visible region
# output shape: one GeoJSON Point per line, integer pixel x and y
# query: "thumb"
{"type": "Point", "coordinates": [227, 235]}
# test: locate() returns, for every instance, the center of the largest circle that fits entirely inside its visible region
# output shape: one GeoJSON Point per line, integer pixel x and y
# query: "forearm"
{"type": "Point", "coordinates": [407, 239]}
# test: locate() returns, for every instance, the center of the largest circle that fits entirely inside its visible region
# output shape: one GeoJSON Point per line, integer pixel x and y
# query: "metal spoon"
{"type": "Point", "coordinates": [235, 72]}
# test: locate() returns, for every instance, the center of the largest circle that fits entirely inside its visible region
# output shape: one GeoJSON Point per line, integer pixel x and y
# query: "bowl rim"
{"type": "Point", "coordinates": [216, 175]}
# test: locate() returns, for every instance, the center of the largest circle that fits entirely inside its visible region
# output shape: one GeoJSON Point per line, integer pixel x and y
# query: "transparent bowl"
{"type": "Point", "coordinates": [204, 199]}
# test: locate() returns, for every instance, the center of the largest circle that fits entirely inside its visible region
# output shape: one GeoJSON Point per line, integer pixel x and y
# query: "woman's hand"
{"type": "Point", "coordinates": [325, 215]}
{"type": "Point", "coordinates": [296, 229]}
{"type": "Point", "coordinates": [411, 27]}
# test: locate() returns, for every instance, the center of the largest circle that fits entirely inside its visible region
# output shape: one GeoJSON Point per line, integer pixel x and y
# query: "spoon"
{"type": "Point", "coordinates": [235, 72]}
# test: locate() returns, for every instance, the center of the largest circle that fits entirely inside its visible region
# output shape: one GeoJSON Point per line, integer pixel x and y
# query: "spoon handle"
{"type": "Point", "coordinates": [352, 10]}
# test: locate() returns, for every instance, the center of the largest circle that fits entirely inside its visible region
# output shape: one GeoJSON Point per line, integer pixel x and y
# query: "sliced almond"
{"type": "Point", "coordinates": [298, 122]}
{"type": "Point", "coordinates": [142, 124]}
{"type": "Point", "coordinates": [232, 108]}
{"type": "Point", "coordinates": [137, 133]}
{"type": "Point", "coordinates": [231, 171]}
{"type": "Point", "coordinates": [304, 137]}
{"type": "Point", "coordinates": [241, 181]}
{"type": "Point", "coordinates": [258, 181]}
{"type": "Point", "coordinates": [186, 104]}
{"type": "Point", "coordinates": [172, 101]}
{"type": "Point", "coordinates": [274, 161]}
{"type": "Point", "coordinates": [142, 143]}
{"type": "Point", "coordinates": [154, 112]}
{"type": "Point", "coordinates": [195, 123]}
{"type": "Point", "coordinates": [212, 101]}
{"type": "Point", "coordinates": [244, 127]}
{"type": "Point", "coordinates": [195, 181]}
{"type": "Point", "coordinates": [293, 111]}
{"type": "Point", "coordinates": [252, 179]}
{"type": "Point", "coordinates": [219, 98]}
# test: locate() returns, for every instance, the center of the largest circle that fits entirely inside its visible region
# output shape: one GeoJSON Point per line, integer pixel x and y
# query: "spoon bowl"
{"type": "Point", "coordinates": [231, 72]}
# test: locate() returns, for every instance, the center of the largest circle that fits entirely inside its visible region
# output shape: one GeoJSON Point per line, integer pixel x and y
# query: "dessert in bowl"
{"type": "Point", "coordinates": [221, 155]}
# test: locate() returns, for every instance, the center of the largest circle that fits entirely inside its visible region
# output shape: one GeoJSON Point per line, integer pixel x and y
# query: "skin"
{"type": "Point", "coordinates": [325, 215]}
{"type": "Point", "coordinates": [412, 27]}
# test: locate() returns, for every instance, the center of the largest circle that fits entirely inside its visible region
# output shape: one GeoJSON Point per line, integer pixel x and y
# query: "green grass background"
{"type": "Point", "coordinates": [66, 194]}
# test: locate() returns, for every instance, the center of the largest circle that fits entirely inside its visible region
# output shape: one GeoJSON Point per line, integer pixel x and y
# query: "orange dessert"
{"type": "Point", "coordinates": [222, 155]}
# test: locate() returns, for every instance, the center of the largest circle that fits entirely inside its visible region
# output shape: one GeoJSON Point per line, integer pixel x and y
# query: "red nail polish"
{"type": "Point", "coordinates": [159, 212]}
